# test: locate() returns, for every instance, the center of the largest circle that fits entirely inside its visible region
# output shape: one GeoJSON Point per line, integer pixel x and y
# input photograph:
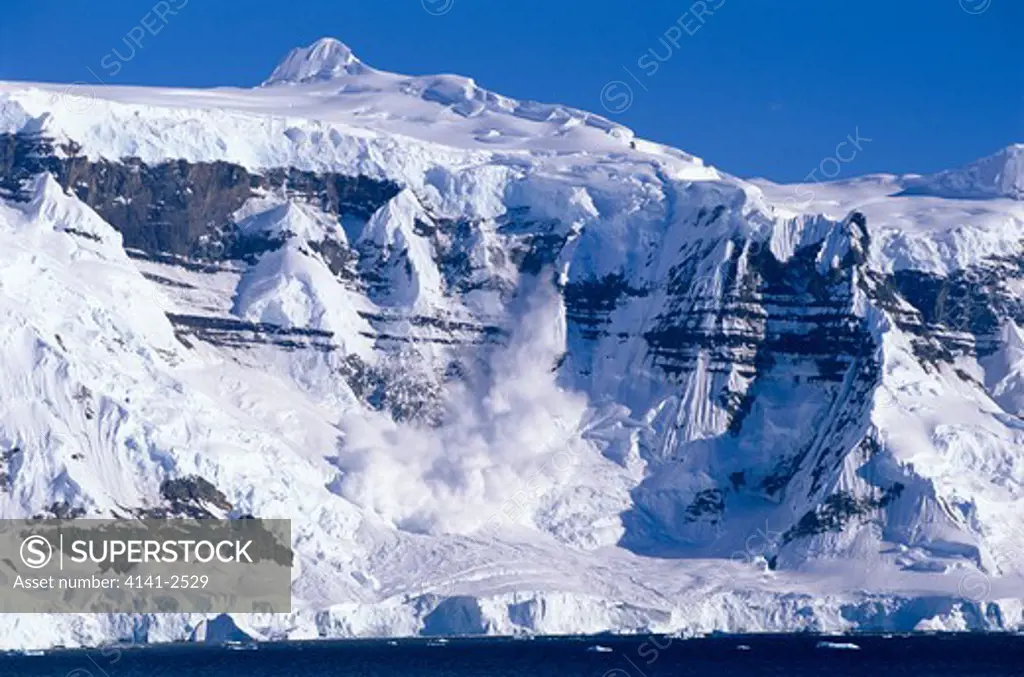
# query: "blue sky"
{"type": "Point", "coordinates": [756, 87]}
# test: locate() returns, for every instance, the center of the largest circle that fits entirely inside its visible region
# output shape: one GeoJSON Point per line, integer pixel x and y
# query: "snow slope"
{"type": "Point", "coordinates": [507, 367]}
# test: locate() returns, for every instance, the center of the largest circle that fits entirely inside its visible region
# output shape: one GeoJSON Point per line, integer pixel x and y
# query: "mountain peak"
{"type": "Point", "coordinates": [998, 175]}
{"type": "Point", "coordinates": [325, 59]}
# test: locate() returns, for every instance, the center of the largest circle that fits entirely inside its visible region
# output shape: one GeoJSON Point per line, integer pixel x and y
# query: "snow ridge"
{"type": "Point", "coordinates": [998, 175]}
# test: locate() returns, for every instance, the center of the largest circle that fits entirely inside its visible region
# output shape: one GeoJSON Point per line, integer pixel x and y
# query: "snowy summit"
{"type": "Point", "coordinates": [325, 59]}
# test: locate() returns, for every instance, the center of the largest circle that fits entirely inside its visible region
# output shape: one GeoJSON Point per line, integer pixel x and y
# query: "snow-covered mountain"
{"type": "Point", "coordinates": [507, 367]}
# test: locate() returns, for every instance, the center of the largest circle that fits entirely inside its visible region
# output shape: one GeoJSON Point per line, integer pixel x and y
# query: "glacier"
{"type": "Point", "coordinates": [507, 367]}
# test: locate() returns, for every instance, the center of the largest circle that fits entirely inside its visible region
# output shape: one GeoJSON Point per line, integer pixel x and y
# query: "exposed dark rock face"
{"type": "Point", "coordinates": [225, 331]}
{"type": "Point", "coordinates": [180, 261]}
{"type": "Point", "coordinates": [358, 196]}
{"type": "Point", "coordinates": [405, 394]}
{"type": "Point", "coordinates": [23, 156]}
{"type": "Point", "coordinates": [190, 496]}
{"type": "Point", "coordinates": [961, 313]}
{"type": "Point", "coordinates": [61, 510]}
{"type": "Point", "coordinates": [589, 303]}
{"type": "Point", "coordinates": [173, 208]}
{"type": "Point", "coordinates": [9, 459]}
{"type": "Point", "coordinates": [341, 259]}
{"type": "Point", "coordinates": [84, 397]}
{"type": "Point", "coordinates": [708, 502]}
{"type": "Point", "coordinates": [532, 244]}
{"type": "Point", "coordinates": [454, 243]}
{"type": "Point", "coordinates": [838, 510]}
{"type": "Point", "coordinates": [443, 330]}
{"type": "Point", "coordinates": [177, 207]}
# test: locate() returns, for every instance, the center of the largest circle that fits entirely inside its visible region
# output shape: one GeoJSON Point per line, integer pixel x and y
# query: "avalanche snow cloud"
{"type": "Point", "coordinates": [505, 366]}
{"type": "Point", "coordinates": [509, 433]}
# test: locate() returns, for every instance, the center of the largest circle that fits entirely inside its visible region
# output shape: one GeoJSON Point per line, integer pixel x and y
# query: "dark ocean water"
{"type": "Point", "coordinates": [789, 655]}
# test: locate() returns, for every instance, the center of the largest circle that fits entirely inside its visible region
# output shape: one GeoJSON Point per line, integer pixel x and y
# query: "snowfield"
{"type": "Point", "coordinates": [508, 368]}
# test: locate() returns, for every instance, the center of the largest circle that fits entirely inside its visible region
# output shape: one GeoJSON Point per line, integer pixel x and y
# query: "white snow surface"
{"type": "Point", "coordinates": [913, 226]}
{"type": "Point", "coordinates": [507, 518]}
{"type": "Point", "coordinates": [999, 175]}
